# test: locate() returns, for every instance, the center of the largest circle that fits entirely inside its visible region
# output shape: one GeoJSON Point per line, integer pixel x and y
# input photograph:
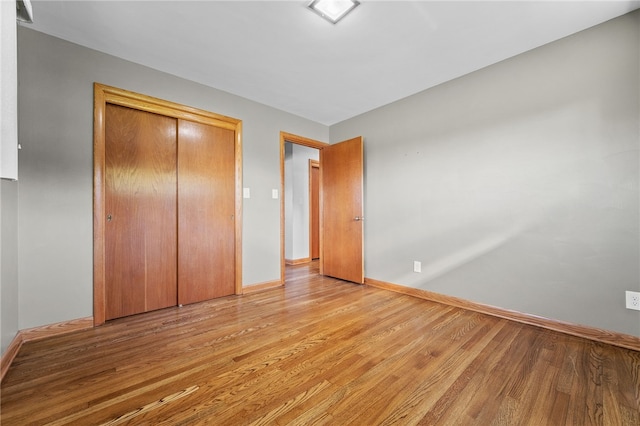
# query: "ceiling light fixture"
{"type": "Point", "coordinates": [333, 10]}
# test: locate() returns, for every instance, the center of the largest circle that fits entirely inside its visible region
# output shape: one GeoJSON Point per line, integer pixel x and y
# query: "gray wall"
{"type": "Point", "coordinates": [8, 262]}
{"type": "Point", "coordinates": [296, 189]}
{"type": "Point", "coordinates": [56, 169]}
{"type": "Point", "coordinates": [517, 185]}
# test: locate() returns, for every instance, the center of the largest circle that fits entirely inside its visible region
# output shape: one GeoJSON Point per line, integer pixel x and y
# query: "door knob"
{"type": "Point", "coordinates": [358, 218]}
{"type": "Point", "coordinates": [108, 218]}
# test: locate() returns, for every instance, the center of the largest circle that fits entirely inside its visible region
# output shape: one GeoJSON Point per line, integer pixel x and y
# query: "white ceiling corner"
{"type": "Point", "coordinates": [282, 54]}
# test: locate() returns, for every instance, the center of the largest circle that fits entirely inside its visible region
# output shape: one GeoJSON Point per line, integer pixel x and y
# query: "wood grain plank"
{"type": "Point", "coordinates": [320, 351]}
{"type": "Point", "coordinates": [593, 333]}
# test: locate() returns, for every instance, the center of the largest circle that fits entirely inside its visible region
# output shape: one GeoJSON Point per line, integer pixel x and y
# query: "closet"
{"type": "Point", "coordinates": [165, 206]}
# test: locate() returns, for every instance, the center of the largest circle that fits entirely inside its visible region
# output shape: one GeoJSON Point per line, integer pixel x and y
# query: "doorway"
{"type": "Point", "coordinates": [301, 196]}
{"type": "Point", "coordinates": [296, 153]}
{"type": "Point", "coordinates": [341, 230]}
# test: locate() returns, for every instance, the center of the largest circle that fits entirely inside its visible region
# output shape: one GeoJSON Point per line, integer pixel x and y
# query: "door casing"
{"type": "Point", "coordinates": [299, 140]}
{"type": "Point", "coordinates": [314, 209]}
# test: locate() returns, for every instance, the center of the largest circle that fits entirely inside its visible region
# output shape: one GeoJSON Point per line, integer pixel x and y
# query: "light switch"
{"type": "Point", "coordinates": [274, 194]}
{"type": "Point", "coordinates": [246, 193]}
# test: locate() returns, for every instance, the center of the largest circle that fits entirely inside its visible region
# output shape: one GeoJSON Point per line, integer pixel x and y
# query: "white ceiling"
{"type": "Point", "coordinates": [281, 54]}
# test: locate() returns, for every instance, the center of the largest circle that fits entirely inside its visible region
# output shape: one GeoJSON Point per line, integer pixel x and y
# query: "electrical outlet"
{"type": "Point", "coordinates": [417, 266]}
{"type": "Point", "coordinates": [633, 300]}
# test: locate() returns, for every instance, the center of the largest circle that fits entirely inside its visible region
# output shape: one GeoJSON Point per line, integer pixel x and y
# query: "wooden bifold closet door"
{"type": "Point", "coordinates": [141, 232]}
{"type": "Point", "coordinates": [169, 202]}
{"type": "Point", "coordinates": [206, 207]}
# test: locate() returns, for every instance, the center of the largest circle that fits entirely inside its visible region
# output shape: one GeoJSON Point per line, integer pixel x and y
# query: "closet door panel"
{"type": "Point", "coordinates": [141, 220]}
{"type": "Point", "coordinates": [206, 208]}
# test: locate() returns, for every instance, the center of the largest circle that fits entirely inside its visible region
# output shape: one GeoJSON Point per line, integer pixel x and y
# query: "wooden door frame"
{"type": "Point", "coordinates": [313, 164]}
{"type": "Point", "coordinates": [311, 143]}
{"type": "Point", "coordinates": [102, 96]}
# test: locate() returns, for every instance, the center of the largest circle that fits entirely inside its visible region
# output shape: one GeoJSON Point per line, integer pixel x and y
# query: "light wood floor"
{"type": "Point", "coordinates": [320, 351]}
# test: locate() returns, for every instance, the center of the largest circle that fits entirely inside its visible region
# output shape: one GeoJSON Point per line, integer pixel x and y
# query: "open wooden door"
{"type": "Point", "coordinates": [342, 170]}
